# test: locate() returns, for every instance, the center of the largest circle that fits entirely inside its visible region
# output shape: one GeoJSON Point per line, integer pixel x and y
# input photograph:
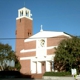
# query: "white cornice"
{"type": "Point", "coordinates": [46, 34]}
{"type": "Point", "coordinates": [42, 58]}
{"type": "Point", "coordinates": [32, 50]}
{"type": "Point", "coordinates": [24, 17]}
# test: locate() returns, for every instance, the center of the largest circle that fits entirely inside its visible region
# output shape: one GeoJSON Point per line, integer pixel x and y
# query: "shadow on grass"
{"type": "Point", "coordinates": [13, 74]}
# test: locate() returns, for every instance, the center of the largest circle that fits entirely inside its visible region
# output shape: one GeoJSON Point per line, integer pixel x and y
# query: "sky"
{"type": "Point", "coordinates": [54, 15]}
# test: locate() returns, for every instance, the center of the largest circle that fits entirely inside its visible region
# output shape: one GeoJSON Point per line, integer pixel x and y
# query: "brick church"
{"type": "Point", "coordinates": [35, 51]}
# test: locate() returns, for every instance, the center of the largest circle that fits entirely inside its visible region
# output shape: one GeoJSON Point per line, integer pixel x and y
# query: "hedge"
{"type": "Point", "coordinates": [57, 74]}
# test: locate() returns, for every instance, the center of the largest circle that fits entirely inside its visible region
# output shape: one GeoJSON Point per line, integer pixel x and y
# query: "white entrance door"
{"type": "Point", "coordinates": [43, 67]}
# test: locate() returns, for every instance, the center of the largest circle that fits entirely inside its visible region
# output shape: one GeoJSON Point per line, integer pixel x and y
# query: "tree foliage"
{"type": "Point", "coordinates": [7, 55]}
{"type": "Point", "coordinates": [67, 55]}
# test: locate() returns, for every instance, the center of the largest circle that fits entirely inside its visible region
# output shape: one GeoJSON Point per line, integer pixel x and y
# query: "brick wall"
{"type": "Point", "coordinates": [30, 45]}
{"type": "Point", "coordinates": [23, 30]}
{"type": "Point", "coordinates": [28, 54]}
{"type": "Point", "coordinates": [55, 41]}
{"type": "Point", "coordinates": [25, 66]}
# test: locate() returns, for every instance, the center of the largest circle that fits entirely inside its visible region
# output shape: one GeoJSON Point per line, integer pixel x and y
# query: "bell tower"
{"type": "Point", "coordinates": [23, 28]}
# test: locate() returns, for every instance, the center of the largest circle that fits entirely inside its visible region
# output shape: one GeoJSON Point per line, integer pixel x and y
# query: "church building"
{"type": "Point", "coordinates": [35, 51]}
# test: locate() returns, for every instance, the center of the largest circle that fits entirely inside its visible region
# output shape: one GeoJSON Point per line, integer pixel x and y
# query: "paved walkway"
{"type": "Point", "coordinates": [21, 79]}
{"type": "Point", "coordinates": [42, 79]}
{"type": "Point", "coordinates": [34, 79]}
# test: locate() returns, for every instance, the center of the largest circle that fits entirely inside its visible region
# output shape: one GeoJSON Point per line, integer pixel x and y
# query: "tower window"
{"type": "Point", "coordinates": [28, 33]}
{"type": "Point", "coordinates": [27, 13]}
{"type": "Point", "coordinates": [21, 13]}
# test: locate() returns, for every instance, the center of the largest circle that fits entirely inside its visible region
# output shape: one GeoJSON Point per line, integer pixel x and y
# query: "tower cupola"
{"type": "Point", "coordinates": [24, 12]}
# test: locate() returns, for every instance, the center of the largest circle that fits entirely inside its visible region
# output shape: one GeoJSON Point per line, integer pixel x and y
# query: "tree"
{"type": "Point", "coordinates": [67, 54]}
{"type": "Point", "coordinates": [7, 55]}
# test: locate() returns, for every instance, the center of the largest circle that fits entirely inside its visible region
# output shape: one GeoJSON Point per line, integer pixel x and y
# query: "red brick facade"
{"type": "Point", "coordinates": [28, 54]}
{"type": "Point", "coordinates": [54, 41]}
{"type": "Point", "coordinates": [30, 45]}
{"type": "Point", "coordinates": [23, 31]}
{"type": "Point", "coordinates": [25, 66]}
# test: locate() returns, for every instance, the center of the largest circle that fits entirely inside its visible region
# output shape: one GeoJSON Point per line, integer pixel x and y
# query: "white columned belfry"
{"type": "Point", "coordinates": [24, 12]}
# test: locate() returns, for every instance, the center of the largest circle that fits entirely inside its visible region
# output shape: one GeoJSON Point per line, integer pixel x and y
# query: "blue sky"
{"type": "Point", "coordinates": [54, 15]}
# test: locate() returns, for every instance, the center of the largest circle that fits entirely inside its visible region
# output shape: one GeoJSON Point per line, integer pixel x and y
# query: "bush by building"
{"type": "Point", "coordinates": [57, 74]}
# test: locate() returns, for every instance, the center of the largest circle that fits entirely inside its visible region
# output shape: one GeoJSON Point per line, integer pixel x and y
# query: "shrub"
{"type": "Point", "coordinates": [57, 74]}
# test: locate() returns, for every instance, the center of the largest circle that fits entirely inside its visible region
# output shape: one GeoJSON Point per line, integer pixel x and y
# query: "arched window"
{"type": "Point", "coordinates": [21, 13]}
{"type": "Point", "coordinates": [27, 13]}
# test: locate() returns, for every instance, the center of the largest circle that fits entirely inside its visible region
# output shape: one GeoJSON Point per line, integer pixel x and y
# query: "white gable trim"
{"type": "Point", "coordinates": [67, 35]}
{"type": "Point", "coordinates": [46, 34]}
